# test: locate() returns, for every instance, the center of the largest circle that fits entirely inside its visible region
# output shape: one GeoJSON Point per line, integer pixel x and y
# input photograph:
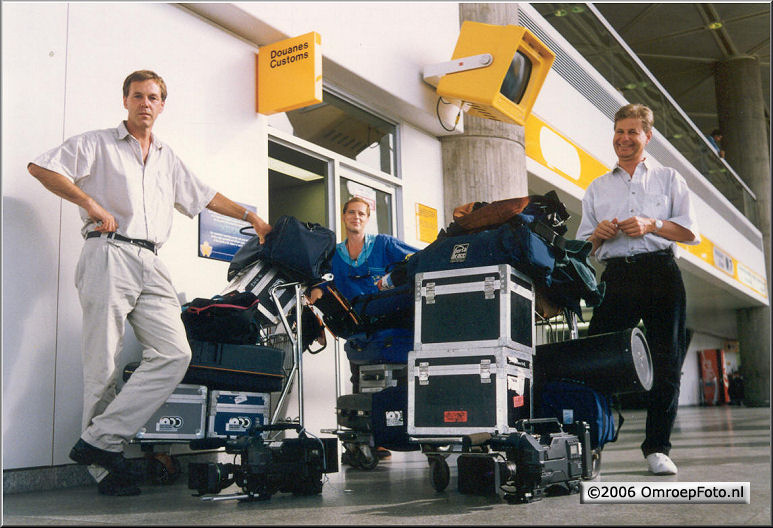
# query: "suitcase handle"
{"type": "Point", "coordinates": [527, 425]}
{"type": "Point", "coordinates": [199, 309]}
{"type": "Point", "coordinates": [277, 427]}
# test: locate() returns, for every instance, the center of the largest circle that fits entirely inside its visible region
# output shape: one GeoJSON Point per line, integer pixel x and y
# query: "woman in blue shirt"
{"type": "Point", "coordinates": [359, 264]}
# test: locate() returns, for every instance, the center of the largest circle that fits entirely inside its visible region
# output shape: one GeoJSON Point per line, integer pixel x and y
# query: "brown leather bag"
{"type": "Point", "coordinates": [473, 219]}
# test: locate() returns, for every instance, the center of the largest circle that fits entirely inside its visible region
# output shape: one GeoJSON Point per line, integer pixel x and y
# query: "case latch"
{"type": "Point", "coordinates": [423, 373]}
{"type": "Point", "coordinates": [430, 292]}
{"type": "Point", "coordinates": [489, 286]}
{"type": "Point", "coordinates": [485, 371]}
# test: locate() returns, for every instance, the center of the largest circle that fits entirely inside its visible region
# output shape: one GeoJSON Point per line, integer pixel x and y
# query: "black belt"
{"type": "Point", "coordinates": [641, 257]}
{"type": "Point", "coordinates": [136, 241]}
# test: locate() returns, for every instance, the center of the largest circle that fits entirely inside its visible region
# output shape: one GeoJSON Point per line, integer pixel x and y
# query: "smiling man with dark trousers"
{"type": "Point", "coordinates": [127, 184]}
{"type": "Point", "coordinates": [633, 216]}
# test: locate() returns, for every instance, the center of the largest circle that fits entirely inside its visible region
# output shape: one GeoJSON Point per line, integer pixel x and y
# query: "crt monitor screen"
{"type": "Point", "coordinates": [517, 78]}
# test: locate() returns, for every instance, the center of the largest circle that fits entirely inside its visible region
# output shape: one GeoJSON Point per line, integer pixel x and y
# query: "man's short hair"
{"type": "Point", "coordinates": [359, 200]}
{"type": "Point", "coordinates": [637, 111]}
{"type": "Point", "coordinates": [144, 75]}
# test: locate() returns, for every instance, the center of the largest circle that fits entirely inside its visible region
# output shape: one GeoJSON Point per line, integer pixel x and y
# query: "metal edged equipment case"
{"type": "Point", "coordinates": [181, 418]}
{"type": "Point", "coordinates": [486, 306]}
{"type": "Point", "coordinates": [466, 391]}
{"type": "Point", "coordinates": [233, 413]}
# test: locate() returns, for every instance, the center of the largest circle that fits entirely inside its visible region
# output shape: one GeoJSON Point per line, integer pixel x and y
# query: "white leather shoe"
{"type": "Point", "coordinates": [660, 464]}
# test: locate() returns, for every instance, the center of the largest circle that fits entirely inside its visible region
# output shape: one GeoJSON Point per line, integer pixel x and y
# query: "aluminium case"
{"type": "Point", "coordinates": [181, 418]}
{"type": "Point", "coordinates": [233, 413]}
{"type": "Point", "coordinates": [485, 306]}
{"type": "Point", "coordinates": [467, 391]}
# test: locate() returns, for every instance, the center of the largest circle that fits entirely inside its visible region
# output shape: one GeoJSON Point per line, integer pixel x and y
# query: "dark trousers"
{"type": "Point", "coordinates": [651, 290]}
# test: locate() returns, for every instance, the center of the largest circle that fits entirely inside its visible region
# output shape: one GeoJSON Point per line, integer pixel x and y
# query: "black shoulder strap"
{"type": "Point", "coordinates": [546, 233]}
{"type": "Point", "coordinates": [615, 403]}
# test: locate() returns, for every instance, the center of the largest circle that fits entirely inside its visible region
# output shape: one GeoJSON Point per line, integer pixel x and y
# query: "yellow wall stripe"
{"type": "Point", "coordinates": [552, 149]}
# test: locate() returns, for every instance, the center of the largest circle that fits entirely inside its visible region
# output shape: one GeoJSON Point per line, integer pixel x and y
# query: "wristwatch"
{"type": "Point", "coordinates": [658, 225]}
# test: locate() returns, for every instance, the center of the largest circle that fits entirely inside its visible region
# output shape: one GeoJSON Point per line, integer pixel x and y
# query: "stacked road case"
{"type": "Point", "coordinates": [471, 367]}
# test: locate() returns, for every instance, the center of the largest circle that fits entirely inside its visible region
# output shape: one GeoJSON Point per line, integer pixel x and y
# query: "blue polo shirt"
{"type": "Point", "coordinates": [359, 277]}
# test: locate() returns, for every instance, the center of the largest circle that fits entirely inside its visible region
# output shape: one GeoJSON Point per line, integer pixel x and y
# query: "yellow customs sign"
{"type": "Point", "coordinates": [289, 74]}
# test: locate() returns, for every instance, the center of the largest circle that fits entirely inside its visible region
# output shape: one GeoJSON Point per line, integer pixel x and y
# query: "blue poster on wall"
{"type": "Point", "coordinates": [219, 236]}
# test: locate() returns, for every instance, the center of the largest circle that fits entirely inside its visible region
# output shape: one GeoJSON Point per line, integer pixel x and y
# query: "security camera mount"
{"type": "Point", "coordinates": [434, 72]}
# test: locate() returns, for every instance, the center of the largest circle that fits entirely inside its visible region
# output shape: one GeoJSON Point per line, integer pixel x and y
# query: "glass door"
{"type": "Point", "coordinates": [297, 183]}
{"type": "Point", "coordinates": [380, 197]}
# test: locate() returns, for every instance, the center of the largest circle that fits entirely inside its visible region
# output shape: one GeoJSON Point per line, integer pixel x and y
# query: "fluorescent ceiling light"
{"type": "Point", "coordinates": [292, 170]}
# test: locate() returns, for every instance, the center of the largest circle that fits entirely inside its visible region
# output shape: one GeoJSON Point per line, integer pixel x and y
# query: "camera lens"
{"type": "Point", "coordinates": [208, 477]}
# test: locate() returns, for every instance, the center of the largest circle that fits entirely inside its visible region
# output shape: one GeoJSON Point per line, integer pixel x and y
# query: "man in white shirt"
{"type": "Point", "coordinates": [127, 184]}
{"type": "Point", "coordinates": [633, 216]}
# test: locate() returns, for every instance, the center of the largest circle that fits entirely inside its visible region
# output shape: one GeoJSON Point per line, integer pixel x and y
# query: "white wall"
{"type": "Point", "coordinates": [33, 113]}
{"type": "Point", "coordinates": [422, 172]}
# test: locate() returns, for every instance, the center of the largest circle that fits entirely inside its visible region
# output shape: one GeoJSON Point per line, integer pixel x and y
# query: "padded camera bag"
{"type": "Point", "coordinates": [232, 318]}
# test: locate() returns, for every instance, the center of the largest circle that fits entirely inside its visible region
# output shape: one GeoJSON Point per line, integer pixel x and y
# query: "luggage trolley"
{"type": "Point", "coordinates": [373, 417]}
{"type": "Point", "coordinates": [193, 395]}
{"type": "Point", "coordinates": [289, 465]}
{"type": "Point", "coordinates": [470, 380]}
{"type": "Point", "coordinates": [498, 289]}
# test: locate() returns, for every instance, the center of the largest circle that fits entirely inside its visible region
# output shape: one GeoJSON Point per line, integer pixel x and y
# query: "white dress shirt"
{"type": "Point", "coordinates": [107, 165]}
{"type": "Point", "coordinates": [652, 192]}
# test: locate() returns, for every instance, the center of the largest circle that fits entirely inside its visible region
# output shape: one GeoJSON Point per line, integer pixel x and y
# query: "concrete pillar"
{"type": "Point", "coordinates": [741, 109]}
{"type": "Point", "coordinates": [488, 161]}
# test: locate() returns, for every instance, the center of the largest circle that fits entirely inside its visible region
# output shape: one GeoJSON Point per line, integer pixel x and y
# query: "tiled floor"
{"type": "Point", "coordinates": [722, 444]}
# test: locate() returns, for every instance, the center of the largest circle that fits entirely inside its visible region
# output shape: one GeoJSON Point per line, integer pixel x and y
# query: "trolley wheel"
{"type": "Point", "coordinates": [366, 458]}
{"type": "Point", "coordinates": [163, 468]}
{"type": "Point", "coordinates": [439, 473]}
{"type": "Point", "coordinates": [349, 457]}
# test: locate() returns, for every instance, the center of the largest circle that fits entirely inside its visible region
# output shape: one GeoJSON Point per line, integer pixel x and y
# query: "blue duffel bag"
{"type": "Point", "coordinates": [382, 346]}
{"type": "Point", "coordinates": [574, 402]}
{"type": "Point", "coordinates": [516, 245]}
{"type": "Point", "coordinates": [386, 309]}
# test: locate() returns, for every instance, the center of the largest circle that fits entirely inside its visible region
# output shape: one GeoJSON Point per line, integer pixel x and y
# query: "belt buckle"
{"type": "Point", "coordinates": [144, 245]}
{"type": "Point", "coordinates": [630, 259]}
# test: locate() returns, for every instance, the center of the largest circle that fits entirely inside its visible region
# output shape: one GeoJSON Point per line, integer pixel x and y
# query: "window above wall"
{"type": "Point", "coordinates": [345, 129]}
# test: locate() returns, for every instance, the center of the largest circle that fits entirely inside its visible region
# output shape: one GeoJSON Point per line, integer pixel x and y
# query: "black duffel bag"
{"type": "Point", "coordinates": [232, 318]}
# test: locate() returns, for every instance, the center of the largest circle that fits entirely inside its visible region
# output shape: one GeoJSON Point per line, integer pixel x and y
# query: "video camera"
{"type": "Point", "coordinates": [538, 457]}
{"type": "Point", "coordinates": [294, 466]}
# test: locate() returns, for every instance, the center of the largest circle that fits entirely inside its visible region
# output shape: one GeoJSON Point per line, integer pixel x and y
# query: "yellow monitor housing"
{"type": "Point", "coordinates": [506, 89]}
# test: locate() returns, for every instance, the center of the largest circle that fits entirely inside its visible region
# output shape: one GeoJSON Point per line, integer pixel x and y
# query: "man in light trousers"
{"type": "Point", "coordinates": [127, 184]}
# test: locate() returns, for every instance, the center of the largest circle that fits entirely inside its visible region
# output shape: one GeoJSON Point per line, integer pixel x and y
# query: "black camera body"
{"type": "Point", "coordinates": [295, 465]}
{"type": "Point", "coordinates": [538, 458]}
